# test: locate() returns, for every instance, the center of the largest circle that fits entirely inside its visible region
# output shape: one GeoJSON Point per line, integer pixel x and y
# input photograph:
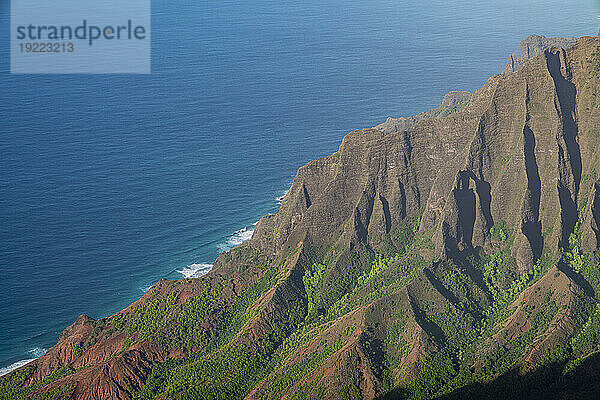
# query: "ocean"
{"type": "Point", "coordinates": [109, 183]}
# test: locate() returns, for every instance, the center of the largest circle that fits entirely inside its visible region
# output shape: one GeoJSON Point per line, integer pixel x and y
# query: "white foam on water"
{"type": "Point", "coordinates": [195, 270]}
{"type": "Point", "coordinates": [144, 289]}
{"type": "Point", "coordinates": [35, 352]}
{"type": "Point", "coordinates": [191, 271]}
{"type": "Point", "coordinates": [12, 367]}
{"type": "Point", "coordinates": [279, 199]}
{"type": "Point", "coordinates": [244, 234]}
{"type": "Point", "coordinates": [238, 237]}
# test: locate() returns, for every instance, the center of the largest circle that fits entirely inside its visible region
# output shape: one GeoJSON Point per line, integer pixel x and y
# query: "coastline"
{"type": "Point", "coordinates": [36, 352]}
{"type": "Point", "coordinates": [193, 270]}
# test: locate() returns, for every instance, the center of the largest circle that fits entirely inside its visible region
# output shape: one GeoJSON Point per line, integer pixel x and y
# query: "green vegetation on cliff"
{"type": "Point", "coordinates": [453, 257]}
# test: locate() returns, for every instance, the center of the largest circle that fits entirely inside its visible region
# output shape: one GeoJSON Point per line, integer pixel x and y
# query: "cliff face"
{"type": "Point", "coordinates": [452, 102]}
{"type": "Point", "coordinates": [533, 46]}
{"type": "Point", "coordinates": [426, 254]}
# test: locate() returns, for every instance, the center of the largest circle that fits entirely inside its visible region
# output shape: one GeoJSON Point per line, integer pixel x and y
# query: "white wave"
{"type": "Point", "coordinates": [36, 352]}
{"type": "Point", "coordinates": [237, 238]}
{"type": "Point", "coordinates": [12, 367]}
{"type": "Point", "coordinates": [279, 199]}
{"type": "Point", "coordinates": [144, 289]}
{"type": "Point", "coordinates": [244, 234]}
{"type": "Point", "coordinates": [195, 270]}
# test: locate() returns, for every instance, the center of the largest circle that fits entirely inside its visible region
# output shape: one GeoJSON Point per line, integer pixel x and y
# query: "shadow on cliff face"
{"type": "Point", "coordinates": [458, 228]}
{"type": "Point", "coordinates": [576, 277]}
{"type": "Point", "coordinates": [547, 382]}
{"type": "Point", "coordinates": [484, 192]}
{"type": "Point", "coordinates": [466, 203]}
{"type": "Point", "coordinates": [569, 155]}
{"type": "Point", "coordinates": [531, 226]}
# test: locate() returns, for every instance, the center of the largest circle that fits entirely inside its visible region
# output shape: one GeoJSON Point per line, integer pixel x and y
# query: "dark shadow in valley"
{"type": "Point", "coordinates": [576, 277]}
{"type": "Point", "coordinates": [428, 326]}
{"type": "Point", "coordinates": [435, 282]}
{"type": "Point", "coordinates": [546, 382]}
{"type": "Point", "coordinates": [373, 348]}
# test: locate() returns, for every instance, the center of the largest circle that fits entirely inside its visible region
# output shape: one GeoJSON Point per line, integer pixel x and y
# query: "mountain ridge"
{"type": "Point", "coordinates": [428, 254]}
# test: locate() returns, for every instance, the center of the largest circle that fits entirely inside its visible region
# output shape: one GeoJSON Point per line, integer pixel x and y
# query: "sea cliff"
{"type": "Point", "coordinates": [452, 253]}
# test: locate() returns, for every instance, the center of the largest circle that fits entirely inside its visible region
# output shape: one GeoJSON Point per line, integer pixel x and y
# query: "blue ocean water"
{"type": "Point", "coordinates": [109, 183]}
